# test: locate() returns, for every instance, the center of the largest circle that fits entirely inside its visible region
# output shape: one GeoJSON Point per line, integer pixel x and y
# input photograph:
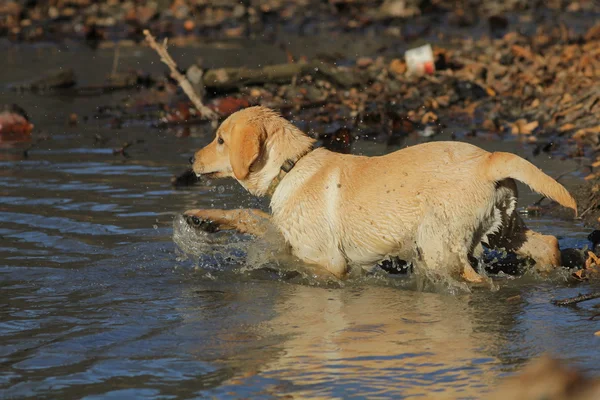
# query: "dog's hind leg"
{"type": "Point", "coordinates": [435, 254]}
{"type": "Point", "coordinates": [250, 221]}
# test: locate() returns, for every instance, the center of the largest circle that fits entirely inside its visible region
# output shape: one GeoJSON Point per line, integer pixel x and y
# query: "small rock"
{"type": "Point", "coordinates": [73, 120]}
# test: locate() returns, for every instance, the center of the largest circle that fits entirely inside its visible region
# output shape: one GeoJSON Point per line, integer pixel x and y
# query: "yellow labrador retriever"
{"type": "Point", "coordinates": [432, 204]}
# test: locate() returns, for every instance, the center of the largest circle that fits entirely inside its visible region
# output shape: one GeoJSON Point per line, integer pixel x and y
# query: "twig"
{"type": "Point", "coordinates": [577, 299]}
{"type": "Point", "coordinates": [594, 204]}
{"type": "Point", "coordinates": [161, 49]}
{"type": "Point", "coordinates": [121, 150]}
{"type": "Point", "coordinates": [115, 60]}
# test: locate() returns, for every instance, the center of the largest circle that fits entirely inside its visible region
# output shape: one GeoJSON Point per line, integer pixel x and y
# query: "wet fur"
{"type": "Point", "coordinates": [432, 204]}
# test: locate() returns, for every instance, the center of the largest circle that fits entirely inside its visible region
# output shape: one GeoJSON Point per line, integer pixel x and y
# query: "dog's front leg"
{"type": "Point", "coordinates": [250, 221]}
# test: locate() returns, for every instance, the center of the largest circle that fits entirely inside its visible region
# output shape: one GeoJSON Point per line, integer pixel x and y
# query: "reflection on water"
{"type": "Point", "coordinates": [385, 341]}
{"type": "Point", "coordinates": [97, 301]}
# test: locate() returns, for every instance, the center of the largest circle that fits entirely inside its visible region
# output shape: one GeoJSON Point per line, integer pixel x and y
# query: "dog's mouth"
{"type": "Point", "coordinates": [210, 175]}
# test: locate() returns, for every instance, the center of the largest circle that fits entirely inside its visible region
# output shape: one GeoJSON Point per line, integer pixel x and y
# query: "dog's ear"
{"type": "Point", "coordinates": [246, 144]}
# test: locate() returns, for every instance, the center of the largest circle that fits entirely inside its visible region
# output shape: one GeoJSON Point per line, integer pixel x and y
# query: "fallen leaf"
{"type": "Point", "coordinates": [567, 98]}
{"type": "Point", "coordinates": [592, 260]}
{"type": "Point", "coordinates": [226, 106]}
{"type": "Point", "coordinates": [490, 125]}
{"type": "Point", "coordinates": [11, 122]}
{"type": "Point", "coordinates": [364, 62]}
{"type": "Point", "coordinates": [580, 275]}
{"type": "Point", "coordinates": [582, 133]}
{"type": "Point", "coordinates": [397, 66]}
{"type": "Point", "coordinates": [566, 127]}
{"type": "Point", "coordinates": [470, 109]}
{"type": "Point", "coordinates": [520, 51]}
{"type": "Point", "coordinates": [593, 33]}
{"type": "Point", "coordinates": [443, 101]}
{"type": "Point", "coordinates": [522, 127]}
{"type": "Point", "coordinates": [532, 139]}
{"type": "Point", "coordinates": [429, 117]}
{"type": "Point", "coordinates": [513, 299]}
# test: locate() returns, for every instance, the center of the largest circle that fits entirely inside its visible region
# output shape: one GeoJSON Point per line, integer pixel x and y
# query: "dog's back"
{"type": "Point", "coordinates": [439, 195]}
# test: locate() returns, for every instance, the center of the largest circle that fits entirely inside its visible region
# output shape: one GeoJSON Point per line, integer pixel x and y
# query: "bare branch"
{"type": "Point", "coordinates": [166, 58]}
{"type": "Point", "coordinates": [576, 299]}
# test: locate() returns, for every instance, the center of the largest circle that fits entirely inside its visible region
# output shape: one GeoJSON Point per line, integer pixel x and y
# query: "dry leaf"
{"type": "Point", "coordinates": [513, 299]}
{"type": "Point", "coordinates": [443, 101]}
{"type": "Point", "coordinates": [592, 260]}
{"type": "Point", "coordinates": [567, 98]}
{"type": "Point", "coordinates": [593, 33]}
{"type": "Point", "coordinates": [490, 125]}
{"type": "Point", "coordinates": [582, 133]}
{"type": "Point", "coordinates": [364, 62]}
{"type": "Point", "coordinates": [522, 127]}
{"type": "Point", "coordinates": [428, 117]}
{"type": "Point", "coordinates": [566, 127]}
{"type": "Point", "coordinates": [470, 109]}
{"type": "Point", "coordinates": [397, 66]}
{"type": "Point", "coordinates": [580, 275]}
{"type": "Point", "coordinates": [531, 139]}
{"type": "Point", "coordinates": [520, 51]}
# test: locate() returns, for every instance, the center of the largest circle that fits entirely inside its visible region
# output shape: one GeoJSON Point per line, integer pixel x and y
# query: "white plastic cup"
{"type": "Point", "coordinates": [419, 61]}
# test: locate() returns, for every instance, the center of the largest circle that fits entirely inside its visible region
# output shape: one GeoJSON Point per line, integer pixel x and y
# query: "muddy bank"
{"type": "Point", "coordinates": [587, 195]}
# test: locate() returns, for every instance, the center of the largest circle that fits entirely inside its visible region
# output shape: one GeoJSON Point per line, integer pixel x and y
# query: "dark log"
{"type": "Point", "coordinates": [234, 78]}
{"type": "Point", "coordinates": [59, 79]}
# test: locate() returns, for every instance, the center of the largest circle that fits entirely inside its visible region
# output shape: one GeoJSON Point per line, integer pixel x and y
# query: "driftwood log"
{"type": "Point", "coordinates": [56, 79]}
{"type": "Point", "coordinates": [233, 78]}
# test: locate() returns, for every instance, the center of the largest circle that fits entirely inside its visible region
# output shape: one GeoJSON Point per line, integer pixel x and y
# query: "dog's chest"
{"type": "Point", "coordinates": [306, 211]}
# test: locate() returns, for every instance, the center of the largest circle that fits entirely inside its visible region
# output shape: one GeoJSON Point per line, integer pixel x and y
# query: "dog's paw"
{"type": "Point", "coordinates": [200, 223]}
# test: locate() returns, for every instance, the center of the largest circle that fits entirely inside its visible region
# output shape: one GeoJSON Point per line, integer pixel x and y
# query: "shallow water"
{"type": "Point", "coordinates": [98, 302]}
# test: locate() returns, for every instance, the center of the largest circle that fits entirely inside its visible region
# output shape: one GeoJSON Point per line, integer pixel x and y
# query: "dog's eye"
{"type": "Point", "coordinates": [220, 140]}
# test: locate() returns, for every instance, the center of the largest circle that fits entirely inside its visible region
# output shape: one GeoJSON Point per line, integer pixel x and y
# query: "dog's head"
{"type": "Point", "coordinates": [250, 146]}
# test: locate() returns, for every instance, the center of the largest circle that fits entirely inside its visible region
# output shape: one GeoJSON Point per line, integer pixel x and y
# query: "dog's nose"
{"type": "Point", "coordinates": [192, 220]}
{"type": "Point", "coordinates": [192, 159]}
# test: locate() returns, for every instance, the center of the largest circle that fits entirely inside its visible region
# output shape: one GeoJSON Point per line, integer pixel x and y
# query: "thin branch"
{"type": "Point", "coordinates": [115, 60]}
{"type": "Point", "coordinates": [594, 204]}
{"type": "Point", "coordinates": [577, 299]}
{"type": "Point", "coordinates": [166, 58]}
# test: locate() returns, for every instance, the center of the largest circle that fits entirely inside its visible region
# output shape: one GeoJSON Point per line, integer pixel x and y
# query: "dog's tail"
{"type": "Point", "coordinates": [502, 165]}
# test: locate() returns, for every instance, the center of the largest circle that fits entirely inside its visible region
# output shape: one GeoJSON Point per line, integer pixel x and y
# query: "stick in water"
{"type": "Point", "coordinates": [166, 58]}
{"type": "Point", "coordinates": [577, 299]}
